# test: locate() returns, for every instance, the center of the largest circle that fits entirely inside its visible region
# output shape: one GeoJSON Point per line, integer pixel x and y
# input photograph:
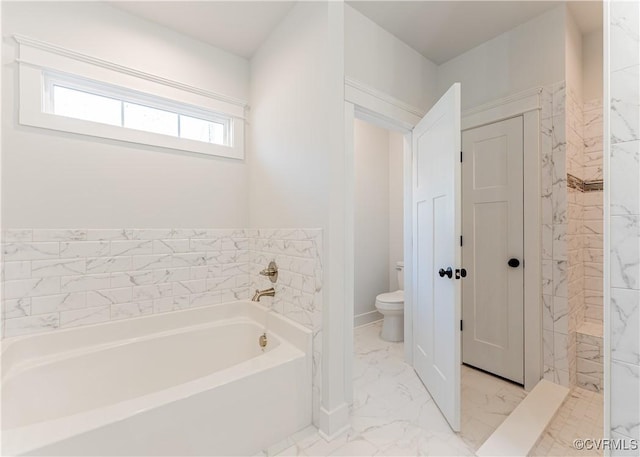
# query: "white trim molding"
{"type": "Point", "coordinates": [504, 108]}
{"type": "Point", "coordinates": [378, 105]}
{"type": "Point", "coordinates": [366, 318]}
{"type": "Point", "coordinates": [37, 59]}
{"type": "Point", "coordinates": [64, 52]}
{"type": "Point", "coordinates": [329, 419]}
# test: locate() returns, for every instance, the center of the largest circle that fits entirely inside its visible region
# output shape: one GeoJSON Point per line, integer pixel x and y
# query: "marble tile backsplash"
{"type": "Point", "coordinates": [65, 278]}
{"type": "Point", "coordinates": [624, 235]}
{"type": "Point", "coordinates": [299, 286]}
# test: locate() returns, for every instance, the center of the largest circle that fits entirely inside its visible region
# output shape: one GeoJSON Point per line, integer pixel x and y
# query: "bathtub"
{"type": "Point", "coordinates": [192, 382]}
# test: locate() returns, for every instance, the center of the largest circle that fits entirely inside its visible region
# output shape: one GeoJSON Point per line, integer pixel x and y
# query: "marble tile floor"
{"type": "Point", "coordinates": [392, 413]}
{"type": "Point", "coordinates": [486, 402]}
{"type": "Point", "coordinates": [581, 416]}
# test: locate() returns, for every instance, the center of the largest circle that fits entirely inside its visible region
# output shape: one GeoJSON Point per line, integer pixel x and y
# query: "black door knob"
{"type": "Point", "coordinates": [448, 272]}
{"type": "Point", "coordinates": [513, 263]}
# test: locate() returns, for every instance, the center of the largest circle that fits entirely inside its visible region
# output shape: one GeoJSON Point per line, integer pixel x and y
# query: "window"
{"type": "Point", "coordinates": [97, 102]}
{"type": "Point", "coordinates": [63, 90]}
{"type": "Point", "coordinates": [82, 105]}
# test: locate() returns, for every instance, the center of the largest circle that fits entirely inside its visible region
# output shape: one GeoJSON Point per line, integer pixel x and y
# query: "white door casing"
{"type": "Point", "coordinates": [436, 224]}
{"type": "Point", "coordinates": [493, 225]}
{"type": "Point", "coordinates": [394, 115]}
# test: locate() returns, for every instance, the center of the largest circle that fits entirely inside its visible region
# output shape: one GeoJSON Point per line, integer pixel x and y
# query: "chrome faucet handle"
{"type": "Point", "coordinates": [271, 271]}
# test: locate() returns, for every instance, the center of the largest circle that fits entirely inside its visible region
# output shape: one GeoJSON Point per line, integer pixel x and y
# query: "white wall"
{"type": "Point", "coordinates": [53, 179]}
{"type": "Point", "coordinates": [297, 163]}
{"type": "Point", "coordinates": [372, 217]}
{"type": "Point", "coordinates": [396, 208]}
{"type": "Point", "coordinates": [289, 166]}
{"type": "Point", "coordinates": [378, 215]}
{"type": "Point", "coordinates": [527, 56]}
{"type": "Point", "coordinates": [592, 88]}
{"type": "Point", "coordinates": [573, 56]}
{"type": "Point", "coordinates": [378, 59]}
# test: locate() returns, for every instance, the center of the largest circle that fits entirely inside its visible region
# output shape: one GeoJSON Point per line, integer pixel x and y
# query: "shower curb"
{"type": "Point", "coordinates": [520, 432]}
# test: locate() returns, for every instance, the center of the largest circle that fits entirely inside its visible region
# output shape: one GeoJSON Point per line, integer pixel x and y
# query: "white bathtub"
{"type": "Point", "coordinates": [193, 382]}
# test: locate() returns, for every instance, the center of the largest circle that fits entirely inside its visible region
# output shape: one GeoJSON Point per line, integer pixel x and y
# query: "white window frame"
{"type": "Point", "coordinates": [51, 79]}
{"type": "Point", "coordinates": [41, 65]}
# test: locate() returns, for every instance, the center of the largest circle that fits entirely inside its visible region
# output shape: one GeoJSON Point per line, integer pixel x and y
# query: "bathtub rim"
{"type": "Point", "coordinates": [40, 345]}
{"type": "Point", "coordinates": [35, 436]}
{"type": "Point", "coordinates": [25, 365]}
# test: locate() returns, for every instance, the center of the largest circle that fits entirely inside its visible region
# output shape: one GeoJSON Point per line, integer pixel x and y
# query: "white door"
{"type": "Point", "coordinates": [436, 253]}
{"type": "Point", "coordinates": [493, 247]}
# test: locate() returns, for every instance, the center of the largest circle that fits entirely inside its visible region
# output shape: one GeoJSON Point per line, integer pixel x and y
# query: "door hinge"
{"type": "Point", "coordinates": [460, 240]}
{"type": "Point", "coordinates": [460, 324]}
{"type": "Point", "coordinates": [461, 156]}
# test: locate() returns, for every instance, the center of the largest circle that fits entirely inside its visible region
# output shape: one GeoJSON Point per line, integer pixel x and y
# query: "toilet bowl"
{"type": "Point", "coordinates": [391, 306]}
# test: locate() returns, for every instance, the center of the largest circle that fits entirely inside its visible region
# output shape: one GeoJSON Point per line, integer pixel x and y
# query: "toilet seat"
{"type": "Point", "coordinates": [391, 301]}
{"type": "Point", "coordinates": [391, 297]}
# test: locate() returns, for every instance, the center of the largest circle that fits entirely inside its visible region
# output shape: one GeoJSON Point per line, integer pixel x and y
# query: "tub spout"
{"type": "Point", "coordinates": [263, 293]}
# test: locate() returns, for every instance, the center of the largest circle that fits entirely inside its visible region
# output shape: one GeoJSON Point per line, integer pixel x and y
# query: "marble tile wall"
{"type": "Point", "coordinates": [592, 226]}
{"type": "Point", "coordinates": [589, 236]}
{"type": "Point", "coordinates": [575, 217]}
{"type": "Point", "coordinates": [555, 273]}
{"type": "Point", "coordinates": [55, 279]}
{"type": "Point", "coordinates": [571, 228]}
{"type": "Point", "coordinates": [142, 271]}
{"type": "Point", "coordinates": [299, 286]}
{"type": "Point", "coordinates": [590, 356]}
{"type": "Point", "coordinates": [624, 235]}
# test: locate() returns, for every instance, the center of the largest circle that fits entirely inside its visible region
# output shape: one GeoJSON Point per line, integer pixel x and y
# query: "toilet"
{"type": "Point", "coordinates": [391, 306]}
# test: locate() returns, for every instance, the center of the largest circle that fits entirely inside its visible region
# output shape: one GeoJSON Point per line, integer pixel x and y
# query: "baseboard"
{"type": "Point", "coordinates": [520, 432]}
{"type": "Point", "coordinates": [366, 318]}
{"type": "Point", "coordinates": [289, 441]}
{"type": "Point", "coordinates": [333, 423]}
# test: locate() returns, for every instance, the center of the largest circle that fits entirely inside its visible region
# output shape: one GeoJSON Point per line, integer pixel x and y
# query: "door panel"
{"type": "Point", "coordinates": [491, 280]}
{"type": "Point", "coordinates": [437, 224]}
{"type": "Point", "coordinates": [493, 233]}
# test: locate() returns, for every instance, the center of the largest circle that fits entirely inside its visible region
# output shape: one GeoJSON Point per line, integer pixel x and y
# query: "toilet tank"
{"type": "Point", "coordinates": [400, 273]}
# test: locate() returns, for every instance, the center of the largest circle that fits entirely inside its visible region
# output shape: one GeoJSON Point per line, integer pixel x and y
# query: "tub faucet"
{"type": "Point", "coordinates": [264, 293]}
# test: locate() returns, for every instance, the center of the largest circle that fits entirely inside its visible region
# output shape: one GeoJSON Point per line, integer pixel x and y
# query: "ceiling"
{"type": "Point", "coordinates": [239, 27]}
{"type": "Point", "coordinates": [441, 30]}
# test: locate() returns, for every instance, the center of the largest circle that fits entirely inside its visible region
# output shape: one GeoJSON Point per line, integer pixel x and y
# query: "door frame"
{"type": "Point", "coordinates": [527, 104]}
{"type": "Point", "coordinates": [368, 104]}
{"type": "Point", "coordinates": [504, 357]}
